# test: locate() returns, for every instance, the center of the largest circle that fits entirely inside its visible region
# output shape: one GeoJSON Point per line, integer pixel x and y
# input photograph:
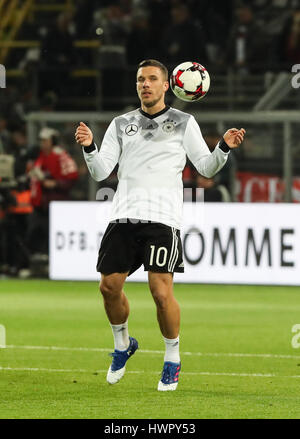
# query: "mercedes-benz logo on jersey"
{"type": "Point", "coordinates": [131, 129]}
{"type": "Point", "coordinates": [168, 126]}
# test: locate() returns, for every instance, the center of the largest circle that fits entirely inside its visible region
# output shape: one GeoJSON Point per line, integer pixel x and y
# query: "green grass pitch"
{"type": "Point", "coordinates": [236, 352]}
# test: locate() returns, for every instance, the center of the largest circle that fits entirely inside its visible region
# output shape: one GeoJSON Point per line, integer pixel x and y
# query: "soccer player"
{"type": "Point", "coordinates": [150, 144]}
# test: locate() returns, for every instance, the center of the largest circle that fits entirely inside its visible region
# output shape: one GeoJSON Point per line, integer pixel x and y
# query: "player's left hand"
{"type": "Point", "coordinates": [234, 137]}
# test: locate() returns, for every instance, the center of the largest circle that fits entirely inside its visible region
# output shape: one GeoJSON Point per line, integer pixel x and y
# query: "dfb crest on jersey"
{"type": "Point", "coordinates": [131, 129]}
{"type": "Point", "coordinates": [168, 126]}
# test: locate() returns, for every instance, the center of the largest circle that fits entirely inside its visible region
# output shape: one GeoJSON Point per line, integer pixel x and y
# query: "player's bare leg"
{"type": "Point", "coordinates": [168, 311]}
{"type": "Point", "coordinates": [115, 301]}
{"type": "Point", "coordinates": [168, 316]}
{"type": "Point", "coordinates": [117, 309]}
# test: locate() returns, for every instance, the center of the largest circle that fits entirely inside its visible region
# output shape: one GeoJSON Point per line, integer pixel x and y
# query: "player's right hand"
{"type": "Point", "coordinates": [83, 135]}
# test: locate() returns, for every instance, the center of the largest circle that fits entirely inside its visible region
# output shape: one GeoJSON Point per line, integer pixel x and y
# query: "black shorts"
{"type": "Point", "coordinates": [125, 246]}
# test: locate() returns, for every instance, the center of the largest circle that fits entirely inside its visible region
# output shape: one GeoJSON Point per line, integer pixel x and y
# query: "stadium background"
{"type": "Point", "coordinates": [67, 61]}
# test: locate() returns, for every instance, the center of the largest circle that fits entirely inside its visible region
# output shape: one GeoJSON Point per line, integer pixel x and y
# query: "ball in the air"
{"type": "Point", "coordinates": [190, 81]}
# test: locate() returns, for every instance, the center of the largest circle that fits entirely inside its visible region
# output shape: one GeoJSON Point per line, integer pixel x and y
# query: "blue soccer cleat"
{"type": "Point", "coordinates": [169, 376]}
{"type": "Point", "coordinates": [117, 368]}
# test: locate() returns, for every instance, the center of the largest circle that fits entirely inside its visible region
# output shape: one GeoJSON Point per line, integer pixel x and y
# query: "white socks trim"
{"type": "Point", "coordinates": [172, 350]}
{"type": "Point", "coordinates": [121, 336]}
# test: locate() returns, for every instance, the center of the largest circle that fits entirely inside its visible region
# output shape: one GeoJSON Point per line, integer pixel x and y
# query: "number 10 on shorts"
{"type": "Point", "coordinates": [161, 256]}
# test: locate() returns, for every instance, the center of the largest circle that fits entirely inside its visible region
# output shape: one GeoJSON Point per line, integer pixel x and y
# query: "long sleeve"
{"type": "Point", "coordinates": [207, 163]}
{"type": "Point", "coordinates": [101, 163]}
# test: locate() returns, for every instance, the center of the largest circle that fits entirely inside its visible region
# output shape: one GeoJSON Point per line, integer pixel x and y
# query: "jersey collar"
{"type": "Point", "coordinates": [152, 116]}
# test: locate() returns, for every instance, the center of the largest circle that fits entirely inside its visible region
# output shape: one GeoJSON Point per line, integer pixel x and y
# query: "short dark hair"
{"type": "Point", "coordinates": [154, 63]}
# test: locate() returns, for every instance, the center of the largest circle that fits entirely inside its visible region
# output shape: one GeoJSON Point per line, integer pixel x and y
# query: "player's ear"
{"type": "Point", "coordinates": [166, 85]}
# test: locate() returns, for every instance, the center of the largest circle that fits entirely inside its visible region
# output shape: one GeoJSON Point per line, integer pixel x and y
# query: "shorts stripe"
{"type": "Point", "coordinates": [175, 261]}
{"type": "Point", "coordinates": [174, 251]}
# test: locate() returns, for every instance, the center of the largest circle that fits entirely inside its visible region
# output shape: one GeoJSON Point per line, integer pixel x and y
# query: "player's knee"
{"type": "Point", "coordinates": [161, 291]}
{"type": "Point", "coordinates": [161, 298]}
{"type": "Point", "coordinates": [110, 288]}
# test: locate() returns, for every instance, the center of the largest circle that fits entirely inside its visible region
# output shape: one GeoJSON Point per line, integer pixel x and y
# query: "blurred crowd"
{"type": "Point", "coordinates": [247, 36]}
{"type": "Point", "coordinates": [30, 178]}
{"type": "Point", "coordinates": [250, 35]}
{"type": "Point", "coordinates": [243, 36]}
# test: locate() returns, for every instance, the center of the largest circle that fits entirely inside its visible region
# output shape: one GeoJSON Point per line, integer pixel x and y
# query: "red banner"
{"type": "Point", "coordinates": [260, 188]}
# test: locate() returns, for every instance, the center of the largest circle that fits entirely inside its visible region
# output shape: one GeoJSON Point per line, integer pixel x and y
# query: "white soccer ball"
{"type": "Point", "coordinates": [190, 81]}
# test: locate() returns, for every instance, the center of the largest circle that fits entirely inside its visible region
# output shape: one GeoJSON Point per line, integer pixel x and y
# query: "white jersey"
{"type": "Point", "coordinates": [151, 152]}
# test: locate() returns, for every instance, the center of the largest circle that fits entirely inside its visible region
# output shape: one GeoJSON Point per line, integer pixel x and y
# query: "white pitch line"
{"type": "Point", "coordinates": [58, 348]}
{"type": "Point", "coordinates": [43, 369]}
{"type": "Point", "coordinates": [231, 374]}
{"type": "Point", "coordinates": [145, 351]}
